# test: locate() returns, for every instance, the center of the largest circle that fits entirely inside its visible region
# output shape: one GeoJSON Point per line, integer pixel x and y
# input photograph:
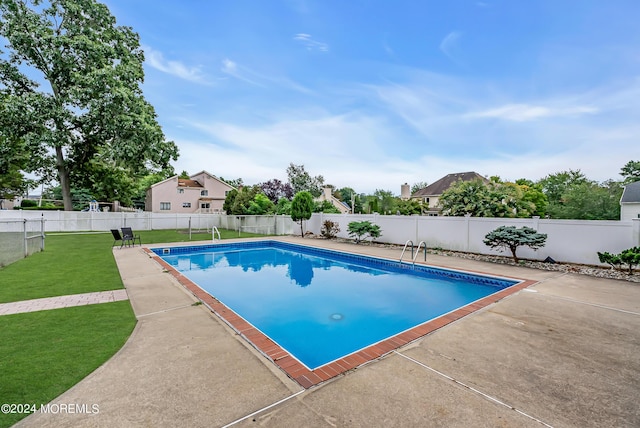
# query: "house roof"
{"type": "Point", "coordinates": [214, 177]}
{"type": "Point", "coordinates": [190, 182]}
{"type": "Point", "coordinates": [183, 182]}
{"type": "Point", "coordinates": [631, 193]}
{"type": "Point", "coordinates": [438, 187]}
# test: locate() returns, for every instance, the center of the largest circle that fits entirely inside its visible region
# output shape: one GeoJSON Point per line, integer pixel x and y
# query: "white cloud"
{"type": "Point", "coordinates": [345, 149]}
{"type": "Point", "coordinates": [312, 45]}
{"type": "Point", "coordinates": [248, 75]}
{"type": "Point", "coordinates": [526, 112]}
{"type": "Point", "coordinates": [449, 44]}
{"type": "Point", "coordinates": [242, 73]}
{"type": "Point", "coordinates": [156, 60]}
{"type": "Point", "coordinates": [367, 149]}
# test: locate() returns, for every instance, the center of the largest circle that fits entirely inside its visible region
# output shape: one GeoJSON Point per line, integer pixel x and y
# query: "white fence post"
{"type": "Point", "coordinates": [24, 230]}
{"type": "Point", "coordinates": [42, 232]}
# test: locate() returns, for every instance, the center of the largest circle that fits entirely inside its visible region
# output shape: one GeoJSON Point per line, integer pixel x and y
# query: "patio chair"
{"type": "Point", "coordinates": [116, 237]}
{"type": "Point", "coordinates": [128, 236]}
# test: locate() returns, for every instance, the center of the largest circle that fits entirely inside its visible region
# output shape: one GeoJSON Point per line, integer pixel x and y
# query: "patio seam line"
{"type": "Point", "coordinates": [164, 310]}
{"type": "Point", "coordinates": [589, 304]}
{"type": "Point", "coordinates": [476, 391]}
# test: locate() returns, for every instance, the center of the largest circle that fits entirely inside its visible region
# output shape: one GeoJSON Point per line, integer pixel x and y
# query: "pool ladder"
{"type": "Point", "coordinates": [215, 230]}
{"type": "Point", "coordinates": [413, 258]}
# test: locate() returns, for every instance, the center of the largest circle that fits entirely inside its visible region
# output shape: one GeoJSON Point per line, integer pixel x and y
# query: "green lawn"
{"type": "Point", "coordinates": [78, 263]}
{"type": "Point", "coordinates": [42, 354]}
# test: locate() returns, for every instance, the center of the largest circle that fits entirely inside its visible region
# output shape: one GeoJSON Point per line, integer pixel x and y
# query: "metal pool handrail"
{"type": "Point", "coordinates": [215, 230]}
{"type": "Point", "coordinates": [405, 249]}
{"type": "Point", "coordinates": [418, 251]}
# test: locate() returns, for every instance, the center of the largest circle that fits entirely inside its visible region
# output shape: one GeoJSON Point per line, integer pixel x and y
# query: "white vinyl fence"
{"type": "Point", "coordinates": [575, 241]}
{"type": "Point", "coordinates": [73, 221]}
{"type": "Point", "coordinates": [20, 238]}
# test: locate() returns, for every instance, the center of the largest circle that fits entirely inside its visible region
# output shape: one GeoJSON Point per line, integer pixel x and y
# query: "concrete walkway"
{"type": "Point", "coordinates": [62, 302]}
{"type": "Point", "coordinates": [562, 353]}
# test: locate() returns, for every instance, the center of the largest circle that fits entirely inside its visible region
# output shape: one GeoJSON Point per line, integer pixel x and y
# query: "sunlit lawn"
{"type": "Point", "coordinates": [42, 354]}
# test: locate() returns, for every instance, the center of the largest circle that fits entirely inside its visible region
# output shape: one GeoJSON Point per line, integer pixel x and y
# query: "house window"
{"type": "Point", "coordinates": [186, 205]}
{"type": "Point", "coordinates": [426, 200]}
{"type": "Point", "coordinates": [165, 206]}
{"type": "Point", "coordinates": [205, 205]}
{"type": "Point", "coordinates": [204, 193]}
{"type": "Point", "coordinates": [180, 190]}
{"type": "Point", "coordinates": [226, 193]}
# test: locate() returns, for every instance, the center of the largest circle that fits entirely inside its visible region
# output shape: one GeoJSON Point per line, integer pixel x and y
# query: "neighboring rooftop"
{"type": "Point", "coordinates": [183, 182]}
{"type": "Point", "coordinates": [631, 193]}
{"type": "Point", "coordinates": [437, 188]}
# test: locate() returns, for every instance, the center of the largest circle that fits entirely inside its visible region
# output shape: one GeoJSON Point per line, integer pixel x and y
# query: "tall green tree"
{"type": "Point", "coordinates": [74, 79]}
{"type": "Point", "coordinates": [301, 181]}
{"type": "Point", "coordinates": [409, 207]}
{"type": "Point", "coordinates": [556, 185]}
{"type": "Point", "coordinates": [13, 159]}
{"type": "Point", "coordinates": [388, 203]}
{"type": "Point", "coordinates": [261, 205]}
{"type": "Point", "coordinates": [631, 172]}
{"type": "Point", "coordinates": [532, 193]}
{"type": "Point", "coordinates": [418, 186]}
{"type": "Point", "coordinates": [590, 201]}
{"type": "Point", "coordinates": [572, 195]}
{"type": "Point", "coordinates": [480, 199]}
{"type": "Point", "coordinates": [302, 208]}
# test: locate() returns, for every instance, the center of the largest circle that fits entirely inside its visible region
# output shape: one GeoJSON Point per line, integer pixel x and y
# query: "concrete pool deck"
{"type": "Point", "coordinates": [564, 352]}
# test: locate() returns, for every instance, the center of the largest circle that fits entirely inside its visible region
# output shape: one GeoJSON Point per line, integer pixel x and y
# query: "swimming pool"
{"type": "Point", "coordinates": [320, 305]}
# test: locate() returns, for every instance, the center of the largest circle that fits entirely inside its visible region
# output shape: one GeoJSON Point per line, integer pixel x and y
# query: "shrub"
{"type": "Point", "coordinates": [629, 257]}
{"type": "Point", "coordinates": [360, 230]}
{"type": "Point", "coordinates": [27, 203]}
{"type": "Point", "coordinates": [511, 237]}
{"type": "Point", "coordinates": [330, 229]}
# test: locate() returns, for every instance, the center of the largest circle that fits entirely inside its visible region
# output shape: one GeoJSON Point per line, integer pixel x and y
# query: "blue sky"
{"type": "Point", "coordinates": [372, 94]}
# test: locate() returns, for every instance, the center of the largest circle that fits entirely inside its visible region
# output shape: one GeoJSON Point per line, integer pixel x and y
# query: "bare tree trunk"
{"type": "Point", "coordinates": [63, 176]}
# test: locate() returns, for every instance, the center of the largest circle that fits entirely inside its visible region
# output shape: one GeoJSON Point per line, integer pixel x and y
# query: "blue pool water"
{"type": "Point", "coordinates": [322, 305]}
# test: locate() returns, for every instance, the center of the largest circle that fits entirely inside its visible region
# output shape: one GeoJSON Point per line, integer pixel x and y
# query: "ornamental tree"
{"type": "Point", "coordinates": [361, 229]}
{"type": "Point", "coordinates": [511, 237]}
{"type": "Point", "coordinates": [72, 78]}
{"type": "Point", "coordinates": [629, 257]}
{"type": "Point", "coordinates": [275, 189]}
{"type": "Point", "coordinates": [302, 208]}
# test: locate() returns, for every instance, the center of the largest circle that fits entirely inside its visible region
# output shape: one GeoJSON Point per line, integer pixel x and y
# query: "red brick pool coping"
{"type": "Point", "coordinates": [296, 370]}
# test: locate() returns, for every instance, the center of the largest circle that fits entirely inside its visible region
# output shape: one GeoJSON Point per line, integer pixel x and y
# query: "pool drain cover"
{"type": "Point", "coordinates": [336, 317]}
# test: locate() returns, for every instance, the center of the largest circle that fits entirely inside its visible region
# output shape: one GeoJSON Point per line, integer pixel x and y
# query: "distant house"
{"type": "Point", "coordinates": [7, 204]}
{"type": "Point", "coordinates": [327, 195]}
{"type": "Point", "coordinates": [200, 193]}
{"type": "Point", "coordinates": [430, 195]}
{"type": "Point", "coordinates": [630, 201]}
